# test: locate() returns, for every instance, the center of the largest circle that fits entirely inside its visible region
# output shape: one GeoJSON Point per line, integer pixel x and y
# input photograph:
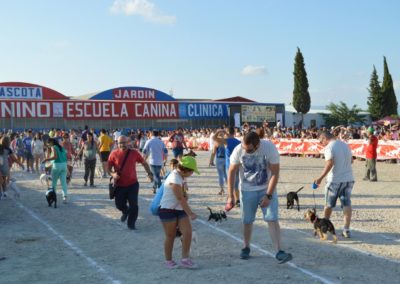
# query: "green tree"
{"type": "Point", "coordinates": [301, 97]}
{"type": "Point", "coordinates": [375, 99]}
{"type": "Point", "coordinates": [342, 115]}
{"type": "Point", "coordinates": [389, 104]}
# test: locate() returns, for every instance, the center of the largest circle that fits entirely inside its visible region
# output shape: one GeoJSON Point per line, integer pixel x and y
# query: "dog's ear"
{"type": "Point", "coordinates": [314, 211]}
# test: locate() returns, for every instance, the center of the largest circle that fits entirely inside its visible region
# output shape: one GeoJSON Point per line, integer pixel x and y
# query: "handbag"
{"type": "Point", "coordinates": [112, 186]}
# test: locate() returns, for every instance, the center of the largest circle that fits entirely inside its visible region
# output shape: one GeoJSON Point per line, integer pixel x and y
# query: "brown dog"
{"type": "Point", "coordinates": [191, 153]}
{"type": "Point", "coordinates": [321, 226]}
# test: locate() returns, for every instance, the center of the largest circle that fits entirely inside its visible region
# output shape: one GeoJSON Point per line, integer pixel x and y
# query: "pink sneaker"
{"type": "Point", "coordinates": [170, 264]}
{"type": "Point", "coordinates": [188, 263]}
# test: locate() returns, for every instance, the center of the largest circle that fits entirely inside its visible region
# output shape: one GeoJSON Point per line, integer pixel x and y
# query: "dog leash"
{"type": "Point", "coordinates": [315, 204]}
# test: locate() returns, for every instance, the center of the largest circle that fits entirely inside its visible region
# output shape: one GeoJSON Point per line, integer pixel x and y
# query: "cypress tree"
{"type": "Point", "coordinates": [375, 100]}
{"type": "Point", "coordinates": [389, 97]}
{"type": "Point", "coordinates": [301, 97]}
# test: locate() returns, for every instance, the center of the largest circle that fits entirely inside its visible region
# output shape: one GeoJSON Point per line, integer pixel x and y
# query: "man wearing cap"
{"type": "Point", "coordinates": [125, 178]}
{"type": "Point", "coordinates": [370, 156]}
{"type": "Point", "coordinates": [155, 150]}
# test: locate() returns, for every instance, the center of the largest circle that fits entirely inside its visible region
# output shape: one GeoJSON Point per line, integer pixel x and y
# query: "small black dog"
{"type": "Point", "coordinates": [216, 216]}
{"type": "Point", "coordinates": [191, 153]}
{"type": "Point", "coordinates": [321, 226]}
{"type": "Point", "coordinates": [51, 197]}
{"type": "Point", "coordinates": [291, 197]}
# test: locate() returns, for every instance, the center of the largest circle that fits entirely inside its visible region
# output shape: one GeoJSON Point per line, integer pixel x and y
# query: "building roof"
{"type": "Point", "coordinates": [236, 99]}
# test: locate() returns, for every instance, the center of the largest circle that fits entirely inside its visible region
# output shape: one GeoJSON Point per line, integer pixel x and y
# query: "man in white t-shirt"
{"type": "Point", "coordinates": [340, 180]}
{"type": "Point", "coordinates": [258, 164]}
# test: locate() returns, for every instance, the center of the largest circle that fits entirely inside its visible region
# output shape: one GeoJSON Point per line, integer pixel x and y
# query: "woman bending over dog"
{"type": "Point", "coordinates": [175, 212]}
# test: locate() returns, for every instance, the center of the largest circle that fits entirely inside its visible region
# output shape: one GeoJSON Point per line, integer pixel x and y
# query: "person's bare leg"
{"type": "Point", "coordinates": [347, 211]}
{"type": "Point", "coordinates": [275, 234]}
{"type": "Point", "coordinates": [247, 230]}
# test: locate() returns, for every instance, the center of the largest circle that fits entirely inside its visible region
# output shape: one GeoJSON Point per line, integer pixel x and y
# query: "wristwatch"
{"type": "Point", "coordinates": [269, 196]}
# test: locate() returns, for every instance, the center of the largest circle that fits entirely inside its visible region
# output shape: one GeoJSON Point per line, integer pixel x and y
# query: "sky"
{"type": "Point", "coordinates": [209, 49]}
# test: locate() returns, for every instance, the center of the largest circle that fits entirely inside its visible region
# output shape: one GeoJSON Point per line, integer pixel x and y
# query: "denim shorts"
{"type": "Point", "coordinates": [177, 152]}
{"type": "Point", "coordinates": [249, 203]}
{"type": "Point", "coordinates": [341, 190]}
{"type": "Point", "coordinates": [170, 215]}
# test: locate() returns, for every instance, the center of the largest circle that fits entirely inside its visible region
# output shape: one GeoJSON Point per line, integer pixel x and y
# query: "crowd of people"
{"type": "Point", "coordinates": [250, 171]}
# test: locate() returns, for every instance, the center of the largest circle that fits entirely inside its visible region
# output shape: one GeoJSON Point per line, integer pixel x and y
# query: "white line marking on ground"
{"type": "Point", "coordinates": [73, 247]}
{"type": "Point", "coordinates": [349, 247]}
{"type": "Point", "coordinates": [263, 251]}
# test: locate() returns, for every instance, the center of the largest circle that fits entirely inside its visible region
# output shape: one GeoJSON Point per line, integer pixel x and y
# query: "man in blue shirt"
{"type": "Point", "coordinates": [155, 150]}
{"type": "Point", "coordinates": [27, 141]}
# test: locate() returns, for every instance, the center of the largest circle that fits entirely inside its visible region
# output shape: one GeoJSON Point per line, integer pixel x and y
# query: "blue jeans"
{"type": "Point", "coordinates": [59, 171]}
{"type": "Point", "coordinates": [156, 175]}
{"type": "Point", "coordinates": [221, 168]}
{"type": "Point", "coordinates": [249, 203]}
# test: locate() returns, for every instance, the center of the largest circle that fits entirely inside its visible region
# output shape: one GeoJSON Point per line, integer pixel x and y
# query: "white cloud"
{"type": "Point", "coordinates": [250, 70]}
{"type": "Point", "coordinates": [143, 8]}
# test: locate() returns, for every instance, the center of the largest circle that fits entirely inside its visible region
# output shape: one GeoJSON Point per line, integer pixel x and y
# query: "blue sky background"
{"type": "Point", "coordinates": [202, 49]}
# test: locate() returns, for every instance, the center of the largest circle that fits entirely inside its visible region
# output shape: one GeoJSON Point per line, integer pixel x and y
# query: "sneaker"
{"type": "Point", "coordinates": [85, 184]}
{"type": "Point", "coordinates": [245, 253]}
{"type": "Point", "coordinates": [365, 178]}
{"type": "Point", "coordinates": [283, 257]}
{"type": "Point", "coordinates": [92, 186]}
{"type": "Point", "coordinates": [4, 194]}
{"type": "Point", "coordinates": [346, 234]}
{"type": "Point", "coordinates": [170, 264]}
{"type": "Point", "coordinates": [237, 203]}
{"type": "Point", "coordinates": [124, 217]}
{"type": "Point", "coordinates": [64, 199]}
{"type": "Point", "coordinates": [188, 263]}
{"type": "Point", "coordinates": [133, 228]}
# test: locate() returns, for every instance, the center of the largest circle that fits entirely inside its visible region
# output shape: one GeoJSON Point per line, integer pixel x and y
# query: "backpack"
{"type": "Point", "coordinates": [155, 203]}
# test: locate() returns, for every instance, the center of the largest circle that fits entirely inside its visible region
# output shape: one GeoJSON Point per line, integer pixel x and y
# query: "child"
{"type": "Point", "coordinates": [174, 212]}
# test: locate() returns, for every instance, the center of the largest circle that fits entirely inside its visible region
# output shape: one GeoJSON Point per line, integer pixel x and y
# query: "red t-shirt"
{"type": "Point", "coordinates": [370, 152]}
{"type": "Point", "coordinates": [128, 175]}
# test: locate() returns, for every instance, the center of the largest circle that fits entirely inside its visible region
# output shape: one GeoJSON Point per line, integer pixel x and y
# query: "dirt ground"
{"type": "Point", "coordinates": [84, 241]}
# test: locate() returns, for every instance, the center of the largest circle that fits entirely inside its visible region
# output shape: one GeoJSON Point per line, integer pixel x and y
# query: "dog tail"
{"type": "Point", "coordinates": [209, 209]}
{"type": "Point", "coordinates": [299, 189]}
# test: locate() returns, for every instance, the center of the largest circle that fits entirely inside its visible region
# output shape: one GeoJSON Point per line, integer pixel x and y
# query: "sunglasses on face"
{"type": "Point", "coordinates": [251, 151]}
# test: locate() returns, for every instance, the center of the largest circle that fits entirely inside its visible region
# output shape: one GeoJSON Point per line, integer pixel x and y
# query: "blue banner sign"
{"type": "Point", "coordinates": [203, 110]}
{"type": "Point", "coordinates": [133, 94]}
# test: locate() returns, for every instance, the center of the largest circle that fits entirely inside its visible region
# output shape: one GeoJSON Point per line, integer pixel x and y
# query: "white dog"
{"type": "Point", "coordinates": [45, 179]}
{"type": "Point", "coordinates": [14, 188]}
{"type": "Point", "coordinates": [99, 171]}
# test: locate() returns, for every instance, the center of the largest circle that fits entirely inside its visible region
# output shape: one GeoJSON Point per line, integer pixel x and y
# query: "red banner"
{"type": "Point", "coordinates": [386, 149]}
{"type": "Point", "coordinates": [88, 109]}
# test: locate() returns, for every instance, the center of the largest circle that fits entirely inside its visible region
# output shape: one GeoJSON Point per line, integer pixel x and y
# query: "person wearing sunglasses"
{"type": "Point", "coordinates": [125, 177]}
{"type": "Point", "coordinates": [257, 161]}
